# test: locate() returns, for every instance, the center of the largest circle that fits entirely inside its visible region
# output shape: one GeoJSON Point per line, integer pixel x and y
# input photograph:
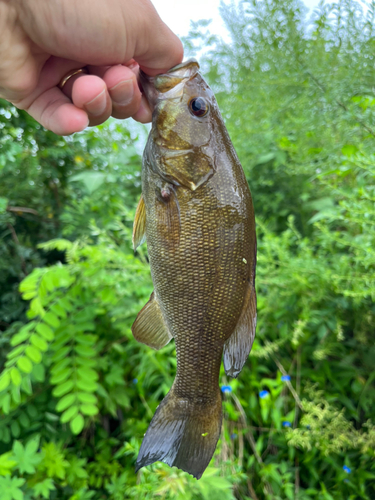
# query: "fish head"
{"type": "Point", "coordinates": [184, 109]}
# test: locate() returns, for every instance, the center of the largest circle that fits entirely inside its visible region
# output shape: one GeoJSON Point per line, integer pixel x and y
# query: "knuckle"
{"type": "Point", "coordinates": [17, 89]}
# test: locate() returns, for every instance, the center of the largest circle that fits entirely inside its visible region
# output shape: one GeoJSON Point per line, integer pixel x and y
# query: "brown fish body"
{"type": "Point", "coordinates": [200, 231]}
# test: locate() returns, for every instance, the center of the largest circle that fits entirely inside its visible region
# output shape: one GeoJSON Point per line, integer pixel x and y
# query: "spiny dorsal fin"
{"type": "Point", "coordinates": [237, 348]}
{"type": "Point", "coordinates": [149, 326]}
{"type": "Point", "coordinates": [139, 226]}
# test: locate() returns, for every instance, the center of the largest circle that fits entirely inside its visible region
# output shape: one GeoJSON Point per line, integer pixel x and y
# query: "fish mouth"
{"type": "Point", "coordinates": [167, 85]}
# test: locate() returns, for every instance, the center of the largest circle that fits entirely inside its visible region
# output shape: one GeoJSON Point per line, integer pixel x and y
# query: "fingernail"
{"type": "Point", "coordinates": [122, 93]}
{"type": "Point", "coordinates": [97, 106]}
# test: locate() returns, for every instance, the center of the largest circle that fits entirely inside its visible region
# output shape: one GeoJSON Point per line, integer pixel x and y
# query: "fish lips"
{"type": "Point", "coordinates": [168, 85]}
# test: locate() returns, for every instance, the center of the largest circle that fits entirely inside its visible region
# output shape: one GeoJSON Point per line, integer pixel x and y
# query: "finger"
{"type": "Point", "coordinates": [54, 111]}
{"type": "Point", "coordinates": [136, 31]}
{"type": "Point", "coordinates": [20, 62]}
{"type": "Point", "coordinates": [157, 48]}
{"type": "Point", "coordinates": [144, 113]}
{"type": "Point", "coordinates": [89, 93]}
{"type": "Point", "coordinates": [123, 89]}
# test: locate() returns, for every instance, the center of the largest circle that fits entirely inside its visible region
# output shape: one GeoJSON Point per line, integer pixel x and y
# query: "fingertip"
{"type": "Point", "coordinates": [144, 114]}
{"type": "Point", "coordinates": [68, 119]}
{"type": "Point", "coordinates": [175, 56]}
{"type": "Point", "coordinates": [86, 88]}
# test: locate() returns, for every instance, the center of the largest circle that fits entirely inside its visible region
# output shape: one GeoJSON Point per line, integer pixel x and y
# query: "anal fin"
{"type": "Point", "coordinates": [149, 327]}
{"type": "Point", "coordinates": [237, 348]}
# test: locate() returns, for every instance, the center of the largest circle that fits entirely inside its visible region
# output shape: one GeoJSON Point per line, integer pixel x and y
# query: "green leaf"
{"type": "Point", "coordinates": [10, 488]}
{"type": "Point", "coordinates": [77, 424]}
{"type": "Point", "coordinates": [87, 374]}
{"type": "Point", "coordinates": [54, 461]}
{"type": "Point", "coordinates": [56, 244]}
{"type": "Point", "coordinates": [86, 397]}
{"type": "Point", "coordinates": [90, 410]}
{"type": "Point", "coordinates": [32, 411]}
{"type": "Point", "coordinates": [85, 351]}
{"type": "Point", "coordinates": [91, 180]}
{"type": "Point", "coordinates": [39, 373]}
{"type": "Point", "coordinates": [86, 385]}
{"type": "Point", "coordinates": [26, 383]}
{"type": "Point", "coordinates": [69, 414]}
{"type": "Point", "coordinates": [15, 428]}
{"type": "Point", "coordinates": [34, 354]}
{"type": "Point", "coordinates": [61, 353]}
{"type": "Point", "coordinates": [66, 304]}
{"type": "Point", "coordinates": [4, 380]}
{"type": "Point", "coordinates": [27, 458]}
{"type": "Point", "coordinates": [65, 402]}
{"type": "Point", "coordinates": [15, 376]}
{"type": "Point", "coordinates": [88, 362]}
{"type": "Point", "coordinates": [3, 204]}
{"type": "Point", "coordinates": [38, 342]}
{"type": "Point", "coordinates": [60, 376]}
{"type": "Point", "coordinates": [61, 365]}
{"type": "Point", "coordinates": [44, 488]}
{"type": "Point", "coordinates": [24, 365]}
{"type": "Point", "coordinates": [19, 337]}
{"type": "Point", "coordinates": [349, 150]}
{"type": "Point", "coordinates": [36, 307]}
{"type": "Point", "coordinates": [45, 331]}
{"type": "Point", "coordinates": [62, 389]}
{"type": "Point", "coordinates": [24, 420]}
{"type": "Point", "coordinates": [6, 463]}
{"type": "Point", "coordinates": [16, 394]}
{"type": "Point", "coordinates": [51, 319]}
{"type": "Point", "coordinates": [6, 404]}
{"type": "Point", "coordinates": [16, 352]}
{"type": "Point", "coordinates": [59, 310]}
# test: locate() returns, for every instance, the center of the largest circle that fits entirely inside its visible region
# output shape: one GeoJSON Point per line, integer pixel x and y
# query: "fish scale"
{"type": "Point", "coordinates": [197, 216]}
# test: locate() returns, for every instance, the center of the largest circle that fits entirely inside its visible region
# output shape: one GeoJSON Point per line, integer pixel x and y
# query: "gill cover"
{"type": "Point", "coordinates": [182, 149]}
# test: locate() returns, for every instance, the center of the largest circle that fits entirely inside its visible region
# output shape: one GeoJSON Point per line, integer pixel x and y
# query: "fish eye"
{"type": "Point", "coordinates": [198, 106]}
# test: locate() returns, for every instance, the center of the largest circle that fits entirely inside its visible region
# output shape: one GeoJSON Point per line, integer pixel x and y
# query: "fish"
{"type": "Point", "coordinates": [196, 215]}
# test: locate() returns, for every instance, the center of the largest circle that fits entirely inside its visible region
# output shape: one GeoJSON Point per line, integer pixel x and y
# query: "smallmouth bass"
{"type": "Point", "coordinates": [197, 216]}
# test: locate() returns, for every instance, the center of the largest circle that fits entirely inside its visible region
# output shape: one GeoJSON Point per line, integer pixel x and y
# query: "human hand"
{"type": "Point", "coordinates": [42, 41]}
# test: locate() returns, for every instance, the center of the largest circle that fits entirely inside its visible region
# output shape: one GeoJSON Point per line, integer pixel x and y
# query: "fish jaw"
{"type": "Point", "coordinates": [167, 85]}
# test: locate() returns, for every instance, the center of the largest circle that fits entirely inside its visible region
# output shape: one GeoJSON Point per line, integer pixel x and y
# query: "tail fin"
{"type": "Point", "coordinates": [182, 438]}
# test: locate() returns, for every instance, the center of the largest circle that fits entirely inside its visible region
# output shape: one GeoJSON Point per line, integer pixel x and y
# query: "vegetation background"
{"type": "Point", "coordinates": [77, 392]}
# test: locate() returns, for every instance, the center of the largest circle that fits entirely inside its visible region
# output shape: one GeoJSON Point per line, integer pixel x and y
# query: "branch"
{"type": "Point", "coordinates": [339, 103]}
{"type": "Point", "coordinates": [250, 438]}
{"type": "Point", "coordinates": [17, 242]}
{"type": "Point", "coordinates": [291, 388]}
{"type": "Point", "coordinates": [23, 209]}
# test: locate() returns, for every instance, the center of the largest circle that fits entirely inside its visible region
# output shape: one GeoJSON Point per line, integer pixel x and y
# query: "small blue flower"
{"type": "Point", "coordinates": [263, 394]}
{"type": "Point", "coordinates": [347, 469]}
{"type": "Point", "coordinates": [286, 424]}
{"type": "Point", "coordinates": [135, 380]}
{"type": "Point", "coordinates": [233, 436]}
{"type": "Point", "coordinates": [308, 427]}
{"type": "Point", "coordinates": [226, 388]}
{"type": "Point", "coordinates": [285, 378]}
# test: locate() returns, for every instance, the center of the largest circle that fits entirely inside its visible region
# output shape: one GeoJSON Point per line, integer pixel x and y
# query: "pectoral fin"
{"type": "Point", "coordinates": [168, 220]}
{"type": "Point", "coordinates": [238, 346]}
{"type": "Point", "coordinates": [149, 327]}
{"type": "Point", "coordinates": [139, 226]}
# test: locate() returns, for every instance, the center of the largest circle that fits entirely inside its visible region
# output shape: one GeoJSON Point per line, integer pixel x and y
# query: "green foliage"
{"type": "Point", "coordinates": [77, 392]}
